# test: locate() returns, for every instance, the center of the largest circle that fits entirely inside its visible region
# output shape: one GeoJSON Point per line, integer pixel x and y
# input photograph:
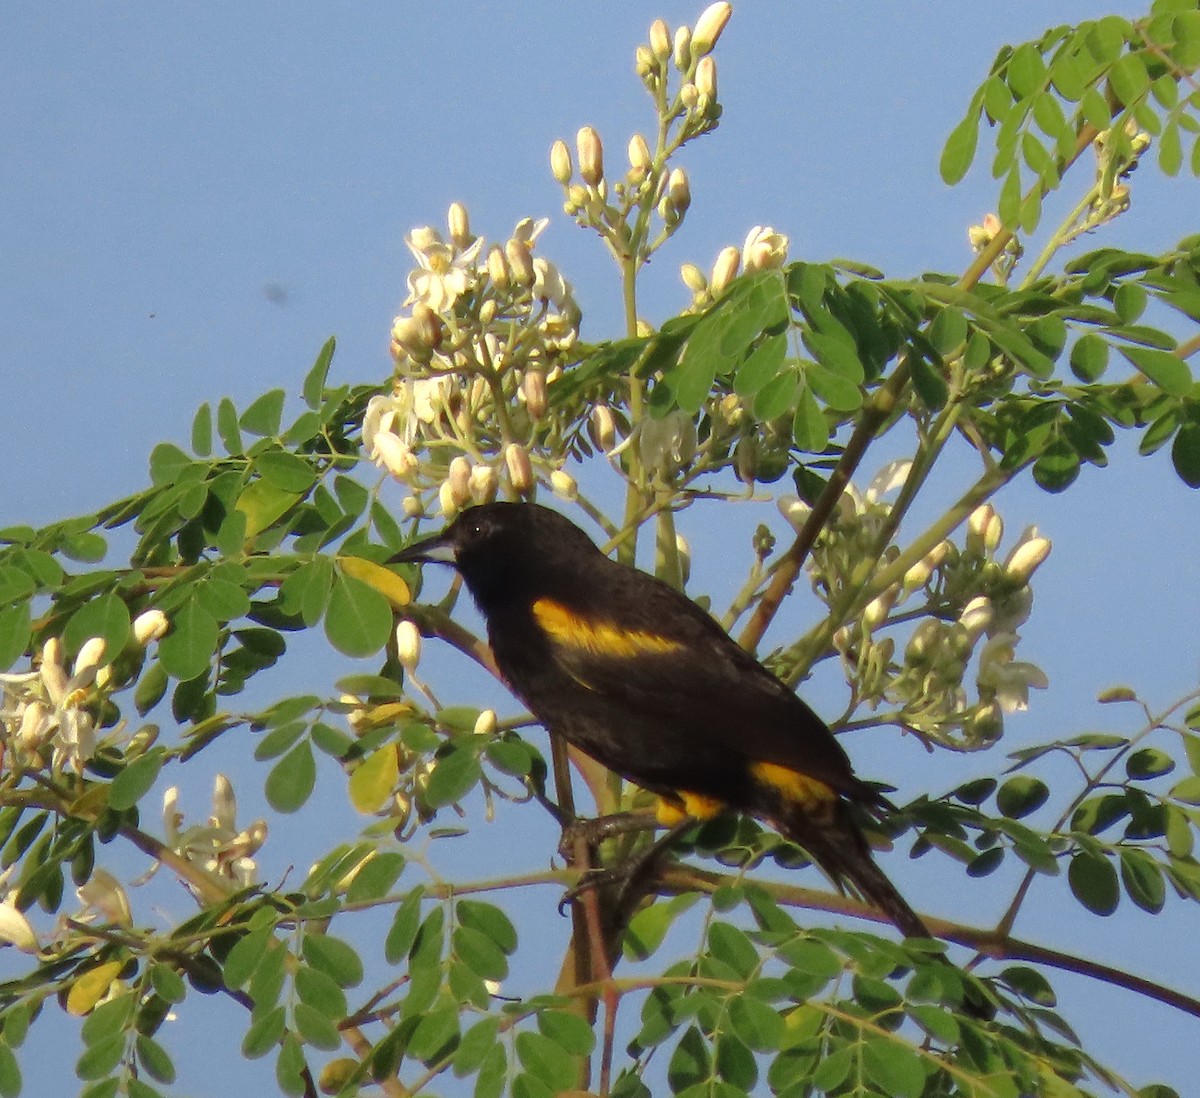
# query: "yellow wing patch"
{"type": "Point", "coordinates": [601, 638]}
{"type": "Point", "coordinates": [811, 795]}
{"type": "Point", "coordinates": [677, 807]}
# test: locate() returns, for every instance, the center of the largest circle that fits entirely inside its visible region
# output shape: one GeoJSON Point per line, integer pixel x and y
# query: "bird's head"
{"type": "Point", "coordinates": [503, 547]}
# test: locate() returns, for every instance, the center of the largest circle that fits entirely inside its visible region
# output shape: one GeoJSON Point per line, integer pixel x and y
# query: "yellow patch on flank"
{"type": "Point", "coordinates": [810, 795]}
{"type": "Point", "coordinates": [602, 638]}
{"type": "Point", "coordinates": [686, 806]}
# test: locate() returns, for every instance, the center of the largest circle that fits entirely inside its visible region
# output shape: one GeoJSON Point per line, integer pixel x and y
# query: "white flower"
{"type": "Point", "coordinates": [1027, 555]}
{"type": "Point", "coordinates": [16, 929]}
{"type": "Point", "coordinates": [223, 852]}
{"type": "Point", "coordinates": [104, 893]}
{"type": "Point", "coordinates": [667, 444]}
{"type": "Point", "coordinates": [764, 250]}
{"type": "Point", "coordinates": [149, 626]}
{"type": "Point", "coordinates": [795, 510]}
{"type": "Point", "coordinates": [444, 273]}
{"type": "Point", "coordinates": [1005, 680]}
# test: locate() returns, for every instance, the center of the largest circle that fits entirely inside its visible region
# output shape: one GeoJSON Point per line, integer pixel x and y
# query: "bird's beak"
{"type": "Point", "coordinates": [438, 549]}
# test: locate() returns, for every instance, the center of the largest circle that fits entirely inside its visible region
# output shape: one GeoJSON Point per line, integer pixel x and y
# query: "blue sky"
{"type": "Point", "coordinates": [196, 196]}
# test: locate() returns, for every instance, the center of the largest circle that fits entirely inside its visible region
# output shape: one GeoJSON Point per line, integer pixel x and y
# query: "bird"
{"type": "Point", "coordinates": [637, 676]}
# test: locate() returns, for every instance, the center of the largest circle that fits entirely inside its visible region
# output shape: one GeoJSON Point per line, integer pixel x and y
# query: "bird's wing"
{"type": "Point", "coordinates": [653, 652]}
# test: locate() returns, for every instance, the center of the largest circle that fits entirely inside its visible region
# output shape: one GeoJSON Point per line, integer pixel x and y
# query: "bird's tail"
{"type": "Point", "coordinates": [840, 849]}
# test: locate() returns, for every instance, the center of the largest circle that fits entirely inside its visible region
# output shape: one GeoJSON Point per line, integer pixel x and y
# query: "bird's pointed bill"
{"type": "Point", "coordinates": [437, 549]}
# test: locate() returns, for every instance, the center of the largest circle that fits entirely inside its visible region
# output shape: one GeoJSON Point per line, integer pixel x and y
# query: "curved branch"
{"type": "Point", "coordinates": [993, 944]}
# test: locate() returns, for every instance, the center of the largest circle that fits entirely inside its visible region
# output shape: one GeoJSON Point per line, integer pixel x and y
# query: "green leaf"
{"type": "Point", "coordinates": [761, 365]}
{"type": "Point", "coordinates": [454, 776]}
{"type": "Point", "coordinates": [733, 947]}
{"type": "Point", "coordinates": [489, 920]}
{"type": "Point", "coordinates": [10, 1072]}
{"type": "Point", "coordinates": [948, 330]}
{"type": "Point", "coordinates": [1089, 357]}
{"type": "Point", "coordinates": [377, 878]}
{"type": "Point", "coordinates": [894, 1067]}
{"type": "Point", "coordinates": [320, 991]}
{"type": "Point", "coordinates": [334, 957]}
{"type": "Point", "coordinates": [155, 1059]}
{"type": "Point", "coordinates": [99, 1059]}
{"type": "Point", "coordinates": [547, 1061]}
{"type": "Point", "coordinates": [245, 956]}
{"type": "Point", "coordinates": [809, 426]}
{"type": "Point", "coordinates": [1021, 795]}
{"type": "Point", "coordinates": [135, 780]}
{"type": "Point", "coordinates": [959, 150]}
{"type": "Point", "coordinates": [1143, 880]}
{"type": "Point", "coordinates": [759, 1025]}
{"type": "Point", "coordinates": [570, 1031]}
{"type": "Point", "coordinates": [403, 931]}
{"type": "Point", "coordinates": [284, 470]}
{"type": "Point", "coordinates": [1149, 762]}
{"type": "Point", "coordinates": [1185, 454]}
{"type": "Point", "coordinates": [1093, 880]}
{"type": "Point", "coordinates": [358, 620]}
{"type": "Point", "coordinates": [1129, 79]}
{"type": "Point", "coordinates": [1026, 72]}
{"type": "Point", "coordinates": [265, 414]}
{"type": "Point", "coordinates": [15, 633]}
{"type": "Point", "coordinates": [202, 431]}
{"type": "Point", "coordinates": [227, 426]}
{"type": "Point", "coordinates": [289, 1067]}
{"type": "Point", "coordinates": [167, 461]}
{"type": "Point", "coordinates": [434, 1032]}
{"type": "Point", "coordinates": [315, 1028]}
{"type": "Point", "coordinates": [186, 651]}
{"type": "Point", "coordinates": [476, 1043]}
{"type": "Point", "coordinates": [291, 780]}
{"type": "Point", "coordinates": [314, 381]}
{"type": "Point", "coordinates": [263, 504]}
{"type": "Point", "coordinates": [838, 391]}
{"type": "Point", "coordinates": [168, 984]}
{"type": "Point", "coordinates": [479, 953]}
{"type": "Point", "coordinates": [105, 616]}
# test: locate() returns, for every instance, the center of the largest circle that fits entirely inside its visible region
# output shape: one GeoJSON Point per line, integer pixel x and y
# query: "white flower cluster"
{"type": "Point", "coordinates": [973, 606]}
{"type": "Point", "coordinates": [487, 334]}
{"type": "Point", "coordinates": [222, 850]}
{"type": "Point", "coordinates": [47, 714]}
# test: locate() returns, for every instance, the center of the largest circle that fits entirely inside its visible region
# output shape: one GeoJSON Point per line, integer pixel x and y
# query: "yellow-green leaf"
{"type": "Point", "coordinates": [91, 987]}
{"type": "Point", "coordinates": [385, 581]}
{"type": "Point", "coordinates": [373, 781]}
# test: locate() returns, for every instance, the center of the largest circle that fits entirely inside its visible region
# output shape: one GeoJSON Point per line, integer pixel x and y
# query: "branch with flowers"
{"type": "Point", "coordinates": [781, 383]}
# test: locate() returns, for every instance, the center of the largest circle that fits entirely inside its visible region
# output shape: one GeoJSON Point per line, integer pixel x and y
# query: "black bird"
{"type": "Point", "coordinates": [636, 675]}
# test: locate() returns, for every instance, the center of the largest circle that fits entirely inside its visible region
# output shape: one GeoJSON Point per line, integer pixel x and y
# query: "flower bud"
{"type": "Point", "coordinates": [149, 626]}
{"type": "Point", "coordinates": [520, 470]}
{"type": "Point", "coordinates": [645, 64]}
{"type": "Point", "coordinates": [639, 154]}
{"type": "Point", "coordinates": [560, 162]}
{"type": "Point", "coordinates": [90, 655]}
{"type": "Point", "coordinates": [520, 261]}
{"type": "Point", "coordinates": [795, 510]}
{"type": "Point", "coordinates": [446, 501]}
{"type": "Point", "coordinates": [689, 95]}
{"type": "Point", "coordinates": [497, 267]}
{"type": "Point", "coordinates": [764, 249]}
{"type": "Point", "coordinates": [412, 507]}
{"type": "Point", "coordinates": [563, 485]}
{"type": "Point", "coordinates": [709, 26]}
{"type": "Point", "coordinates": [483, 484]}
{"type": "Point", "coordinates": [660, 39]}
{"type": "Point", "coordinates": [485, 723]}
{"type": "Point", "coordinates": [429, 325]}
{"type": "Point", "coordinates": [684, 552]}
{"type": "Point", "coordinates": [985, 528]}
{"type": "Point", "coordinates": [391, 452]}
{"type": "Point", "coordinates": [725, 269]}
{"type": "Point", "coordinates": [460, 225]}
{"type": "Point", "coordinates": [591, 156]}
{"type": "Point", "coordinates": [459, 478]}
{"type": "Point", "coordinates": [408, 645]}
{"type": "Point", "coordinates": [706, 77]}
{"type": "Point", "coordinates": [693, 278]}
{"type": "Point", "coordinates": [16, 929]}
{"type": "Point", "coordinates": [877, 610]}
{"type": "Point", "coordinates": [924, 642]}
{"type": "Point", "coordinates": [976, 616]}
{"type": "Point", "coordinates": [679, 191]}
{"type": "Point", "coordinates": [602, 428]}
{"type": "Point", "coordinates": [104, 892]}
{"type": "Point", "coordinates": [1029, 553]}
{"type": "Point", "coordinates": [533, 388]}
{"type": "Point", "coordinates": [683, 48]}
